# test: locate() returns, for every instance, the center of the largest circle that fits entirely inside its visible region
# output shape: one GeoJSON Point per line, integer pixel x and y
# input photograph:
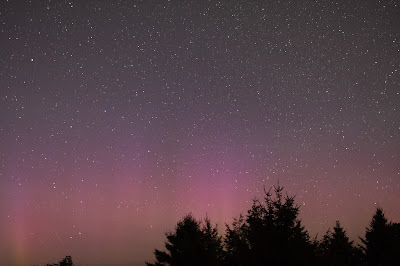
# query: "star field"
{"type": "Point", "coordinates": [119, 117]}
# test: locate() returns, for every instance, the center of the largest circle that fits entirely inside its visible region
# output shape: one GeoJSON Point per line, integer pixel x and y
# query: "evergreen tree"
{"type": "Point", "coordinates": [337, 249]}
{"type": "Point", "coordinates": [394, 232]}
{"type": "Point", "coordinates": [212, 244]}
{"type": "Point", "coordinates": [236, 244]}
{"type": "Point", "coordinates": [271, 234]}
{"type": "Point", "coordinates": [191, 244]}
{"type": "Point", "coordinates": [67, 261]}
{"type": "Point", "coordinates": [378, 241]}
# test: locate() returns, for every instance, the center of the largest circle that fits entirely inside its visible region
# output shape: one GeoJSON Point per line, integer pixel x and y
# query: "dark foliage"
{"type": "Point", "coordinates": [192, 243]}
{"type": "Point", "coordinates": [381, 244]}
{"type": "Point", "coordinates": [337, 249]}
{"type": "Point", "coordinates": [236, 243]}
{"type": "Point", "coordinates": [270, 234]}
{"type": "Point", "coordinates": [67, 261]}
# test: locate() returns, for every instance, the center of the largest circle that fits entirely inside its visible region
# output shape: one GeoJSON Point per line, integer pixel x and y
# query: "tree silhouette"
{"type": "Point", "coordinates": [67, 261]}
{"type": "Point", "coordinates": [192, 243]}
{"type": "Point", "coordinates": [271, 234]}
{"type": "Point", "coordinates": [382, 241]}
{"type": "Point", "coordinates": [236, 244]}
{"type": "Point", "coordinates": [212, 244]}
{"type": "Point", "coordinates": [337, 249]}
{"type": "Point", "coordinates": [394, 231]}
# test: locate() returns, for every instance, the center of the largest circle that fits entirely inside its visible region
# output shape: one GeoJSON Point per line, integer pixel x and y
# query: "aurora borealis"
{"type": "Point", "coordinates": [119, 117]}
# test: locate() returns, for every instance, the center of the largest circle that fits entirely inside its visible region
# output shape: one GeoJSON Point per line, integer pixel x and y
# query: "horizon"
{"type": "Point", "coordinates": [318, 236]}
{"type": "Point", "coordinates": [118, 118]}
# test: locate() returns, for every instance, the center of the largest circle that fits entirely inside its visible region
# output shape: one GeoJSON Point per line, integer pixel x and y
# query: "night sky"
{"type": "Point", "coordinates": [119, 117]}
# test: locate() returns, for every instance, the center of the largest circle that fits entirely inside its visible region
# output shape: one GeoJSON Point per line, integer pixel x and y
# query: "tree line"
{"type": "Point", "coordinates": [271, 233]}
{"type": "Point", "coordinates": [67, 261]}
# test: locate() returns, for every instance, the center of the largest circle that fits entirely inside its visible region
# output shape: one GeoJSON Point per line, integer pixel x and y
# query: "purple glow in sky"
{"type": "Point", "coordinates": [119, 117]}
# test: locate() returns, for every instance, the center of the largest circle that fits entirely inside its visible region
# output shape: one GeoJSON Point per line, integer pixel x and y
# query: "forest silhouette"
{"type": "Point", "coordinates": [67, 261]}
{"type": "Point", "coordinates": [271, 233]}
